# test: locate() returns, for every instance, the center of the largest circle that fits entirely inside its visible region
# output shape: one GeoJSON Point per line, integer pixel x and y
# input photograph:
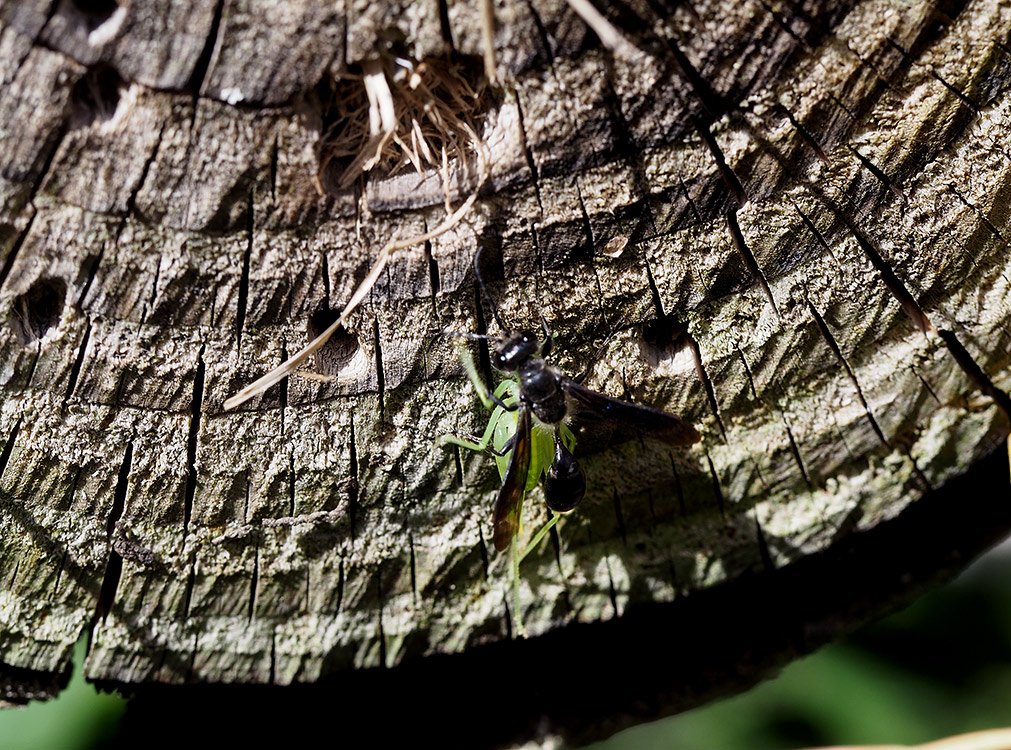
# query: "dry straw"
{"type": "Point", "coordinates": [400, 112]}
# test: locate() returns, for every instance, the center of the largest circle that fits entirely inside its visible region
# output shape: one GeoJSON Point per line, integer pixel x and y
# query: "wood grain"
{"type": "Point", "coordinates": [817, 192]}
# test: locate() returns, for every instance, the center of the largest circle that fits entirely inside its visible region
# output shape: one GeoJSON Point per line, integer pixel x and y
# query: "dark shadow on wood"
{"type": "Point", "coordinates": [588, 681]}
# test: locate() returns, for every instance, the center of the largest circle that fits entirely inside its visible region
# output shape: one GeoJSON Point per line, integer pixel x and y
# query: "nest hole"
{"type": "Point", "coordinates": [94, 13]}
{"type": "Point", "coordinates": [95, 97]}
{"type": "Point", "coordinates": [339, 351]}
{"type": "Point", "coordinates": [393, 113]}
{"type": "Point", "coordinates": [662, 338]}
{"type": "Point", "coordinates": [38, 309]}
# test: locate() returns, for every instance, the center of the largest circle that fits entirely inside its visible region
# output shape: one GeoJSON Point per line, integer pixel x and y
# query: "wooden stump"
{"type": "Point", "coordinates": [786, 223]}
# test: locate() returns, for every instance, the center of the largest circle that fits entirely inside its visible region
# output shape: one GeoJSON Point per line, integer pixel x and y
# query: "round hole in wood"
{"type": "Point", "coordinates": [38, 309]}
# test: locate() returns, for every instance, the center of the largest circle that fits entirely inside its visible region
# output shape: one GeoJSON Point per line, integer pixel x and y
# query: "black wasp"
{"type": "Point", "coordinates": [534, 439]}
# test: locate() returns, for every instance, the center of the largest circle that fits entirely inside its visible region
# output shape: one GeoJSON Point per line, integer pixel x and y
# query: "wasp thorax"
{"type": "Point", "coordinates": [513, 350]}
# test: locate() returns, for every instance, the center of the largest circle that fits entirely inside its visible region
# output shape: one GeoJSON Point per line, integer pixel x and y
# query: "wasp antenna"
{"type": "Point", "coordinates": [466, 335]}
{"type": "Point", "coordinates": [484, 289]}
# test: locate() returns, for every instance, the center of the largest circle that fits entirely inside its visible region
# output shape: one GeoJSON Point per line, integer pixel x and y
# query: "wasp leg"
{"type": "Point", "coordinates": [471, 443]}
{"type": "Point", "coordinates": [541, 532]}
{"type": "Point", "coordinates": [548, 339]}
{"type": "Point", "coordinates": [502, 404]}
{"type": "Point", "coordinates": [489, 398]}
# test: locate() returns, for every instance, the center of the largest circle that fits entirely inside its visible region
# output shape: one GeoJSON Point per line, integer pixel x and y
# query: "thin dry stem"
{"type": "Point", "coordinates": [488, 37]}
{"type": "Point", "coordinates": [609, 35]}
{"type": "Point", "coordinates": [387, 252]}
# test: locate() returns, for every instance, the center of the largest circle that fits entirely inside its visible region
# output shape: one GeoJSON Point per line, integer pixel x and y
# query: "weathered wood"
{"type": "Point", "coordinates": [819, 194]}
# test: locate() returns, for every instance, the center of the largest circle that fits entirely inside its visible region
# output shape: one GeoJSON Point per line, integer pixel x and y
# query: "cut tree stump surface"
{"type": "Point", "coordinates": [792, 219]}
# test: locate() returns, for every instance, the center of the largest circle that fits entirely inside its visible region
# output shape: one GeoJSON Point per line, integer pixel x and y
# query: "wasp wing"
{"type": "Point", "coordinates": [509, 503]}
{"type": "Point", "coordinates": [659, 424]}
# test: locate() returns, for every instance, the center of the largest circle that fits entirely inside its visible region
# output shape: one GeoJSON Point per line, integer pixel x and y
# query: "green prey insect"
{"type": "Point", "coordinates": [499, 438]}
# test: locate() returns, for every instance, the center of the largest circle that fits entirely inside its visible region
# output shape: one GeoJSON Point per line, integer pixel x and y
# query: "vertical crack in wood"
{"type": "Point", "coordinates": [707, 383]}
{"type": "Point", "coordinates": [75, 369]}
{"type": "Point", "coordinates": [153, 296]}
{"type": "Point", "coordinates": [654, 291]}
{"type": "Point", "coordinates": [611, 590]}
{"type": "Point", "coordinates": [325, 261]}
{"type": "Point", "coordinates": [54, 594]}
{"type": "Point", "coordinates": [191, 579]}
{"type": "Point", "coordinates": [962, 97]}
{"type": "Point", "coordinates": [458, 465]}
{"type": "Point", "coordinates": [927, 387]}
{"type": "Point", "coordinates": [748, 373]}
{"type": "Point", "coordinates": [379, 616]}
{"type": "Point", "coordinates": [483, 549]}
{"type": "Point", "coordinates": [619, 517]}
{"type": "Point", "coordinates": [15, 250]}
{"type": "Point", "coordinates": [892, 282]}
{"type": "Point", "coordinates": [691, 201]}
{"type": "Point", "coordinates": [275, 149]}
{"type": "Point", "coordinates": [131, 199]}
{"type": "Point", "coordinates": [587, 226]}
{"type": "Point", "coordinates": [114, 562]}
{"type": "Point", "coordinates": [749, 258]}
{"type": "Point", "coordinates": [414, 569]}
{"type": "Point", "coordinates": [33, 365]}
{"type": "Point", "coordinates": [272, 673]}
{"type": "Point", "coordinates": [340, 586]}
{"type": "Point", "coordinates": [829, 338]}
{"type": "Point", "coordinates": [713, 103]}
{"type": "Point", "coordinates": [528, 153]}
{"type": "Point", "coordinates": [795, 450]}
{"type": "Point", "coordinates": [203, 62]}
{"type": "Point", "coordinates": [483, 353]}
{"type": "Point", "coordinates": [818, 236]}
{"type": "Point", "coordinates": [5, 455]}
{"type": "Point", "coordinates": [291, 484]}
{"type": "Point", "coordinates": [678, 489]}
{"type": "Point", "coordinates": [283, 391]}
{"type": "Point", "coordinates": [445, 28]}
{"type": "Point", "coordinates": [243, 301]}
{"type": "Point", "coordinates": [542, 34]}
{"type": "Point", "coordinates": [986, 222]}
{"type": "Point", "coordinates": [975, 373]}
{"type": "Point", "coordinates": [94, 262]}
{"type": "Point", "coordinates": [717, 489]}
{"type": "Point", "coordinates": [879, 173]}
{"type": "Point", "coordinates": [380, 374]}
{"type": "Point", "coordinates": [556, 545]}
{"type": "Point", "coordinates": [354, 479]}
{"type": "Point", "coordinates": [730, 178]}
{"type": "Point", "coordinates": [254, 581]}
{"type": "Point", "coordinates": [806, 135]}
{"type": "Point", "coordinates": [50, 156]}
{"type": "Point", "coordinates": [434, 282]}
{"type": "Point", "coordinates": [763, 547]}
{"type": "Point", "coordinates": [196, 406]}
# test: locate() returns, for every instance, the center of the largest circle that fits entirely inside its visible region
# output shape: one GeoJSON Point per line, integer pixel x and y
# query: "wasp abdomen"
{"type": "Point", "coordinates": [564, 482]}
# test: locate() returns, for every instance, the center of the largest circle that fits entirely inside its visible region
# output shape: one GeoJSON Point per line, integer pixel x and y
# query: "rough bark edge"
{"type": "Point", "coordinates": [722, 640]}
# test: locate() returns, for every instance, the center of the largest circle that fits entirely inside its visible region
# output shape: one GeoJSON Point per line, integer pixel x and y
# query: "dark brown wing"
{"type": "Point", "coordinates": [645, 419]}
{"type": "Point", "coordinates": [509, 503]}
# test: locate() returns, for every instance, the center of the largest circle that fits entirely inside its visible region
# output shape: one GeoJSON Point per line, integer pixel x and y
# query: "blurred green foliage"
{"type": "Point", "coordinates": [938, 668]}
{"type": "Point", "coordinates": [80, 718]}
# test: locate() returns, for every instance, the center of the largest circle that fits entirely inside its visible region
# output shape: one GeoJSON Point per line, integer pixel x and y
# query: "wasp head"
{"type": "Point", "coordinates": [513, 350]}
